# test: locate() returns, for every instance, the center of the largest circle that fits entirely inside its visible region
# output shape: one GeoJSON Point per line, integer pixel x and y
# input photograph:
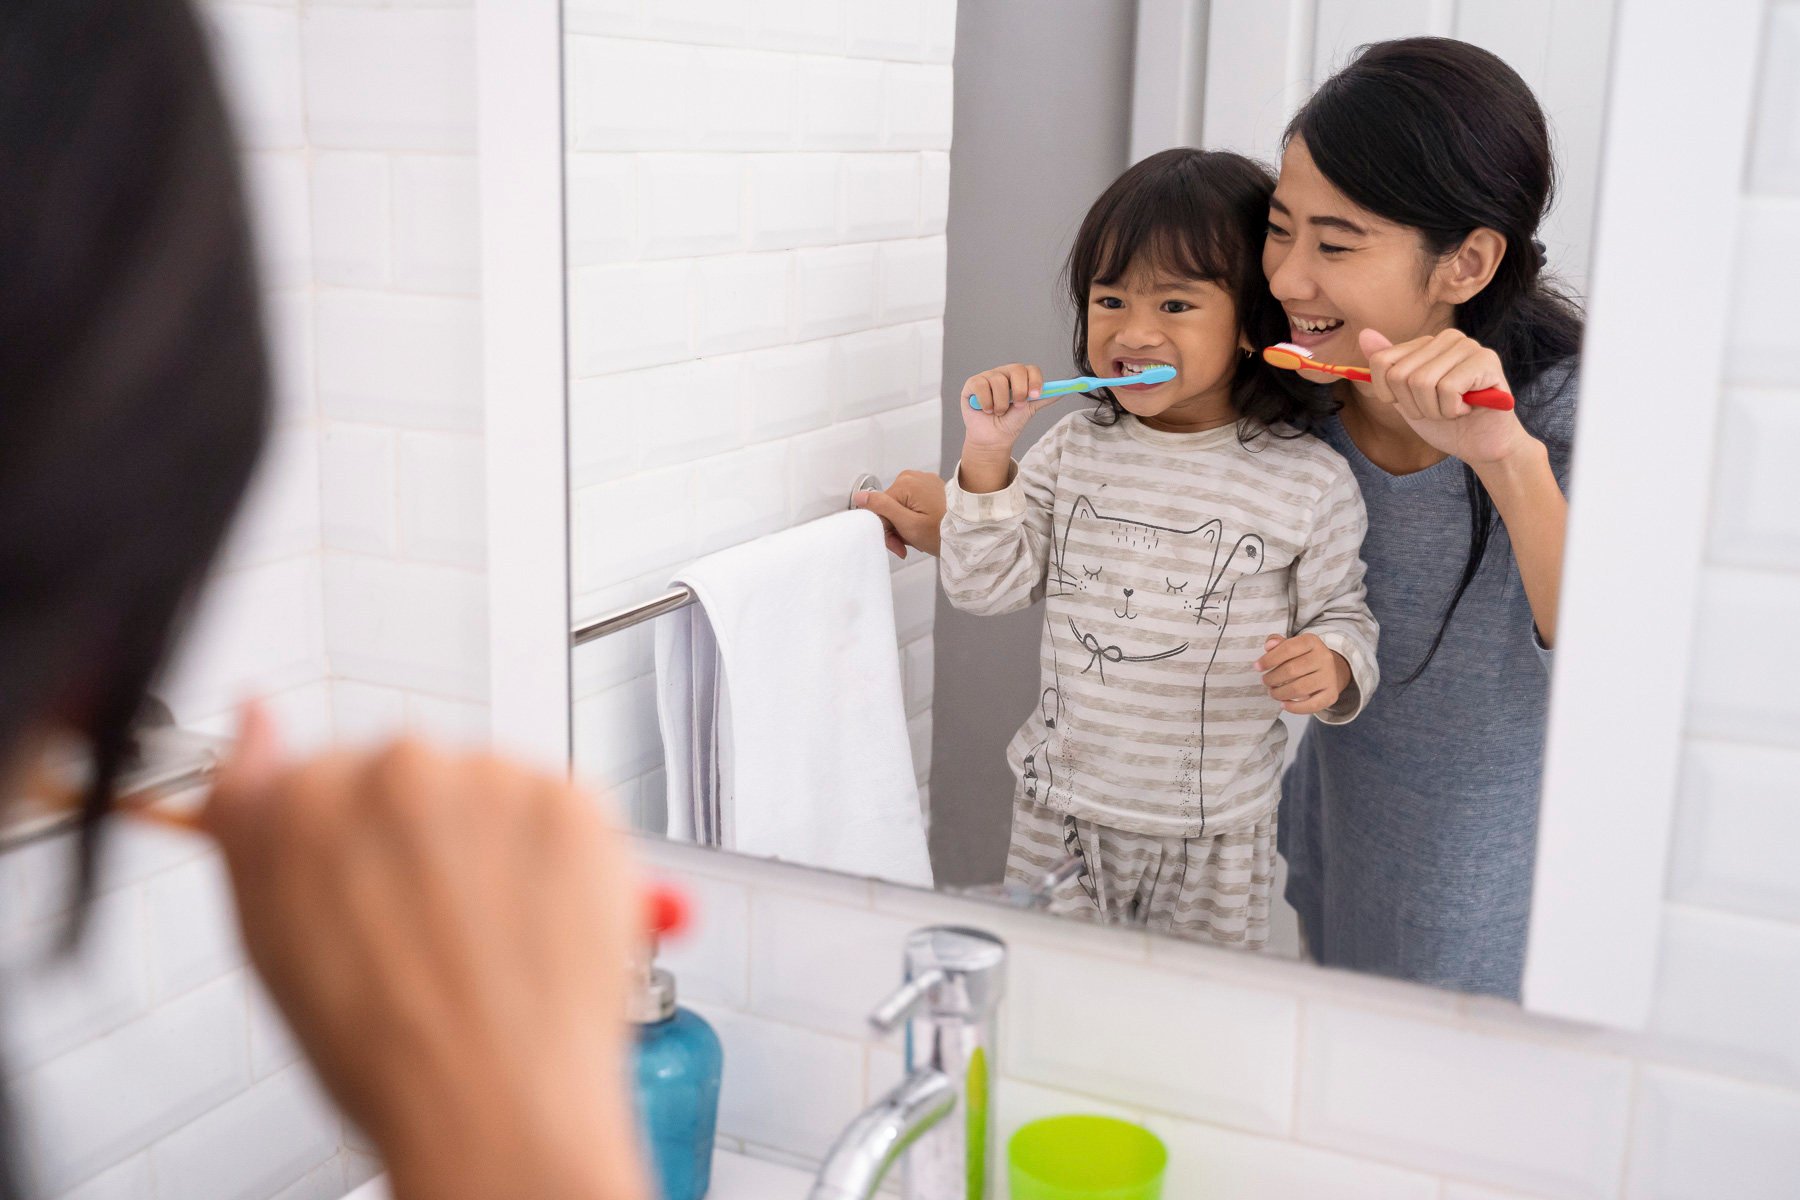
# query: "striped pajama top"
{"type": "Point", "coordinates": [1164, 560]}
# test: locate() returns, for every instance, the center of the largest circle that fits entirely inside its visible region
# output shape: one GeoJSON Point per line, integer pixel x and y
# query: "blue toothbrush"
{"type": "Point", "coordinates": [1087, 383]}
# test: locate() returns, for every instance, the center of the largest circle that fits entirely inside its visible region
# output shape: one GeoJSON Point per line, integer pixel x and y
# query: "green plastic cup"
{"type": "Point", "coordinates": [1085, 1158]}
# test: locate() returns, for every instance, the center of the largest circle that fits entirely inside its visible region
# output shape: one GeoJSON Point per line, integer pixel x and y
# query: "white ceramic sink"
{"type": "Point", "coordinates": [734, 1177]}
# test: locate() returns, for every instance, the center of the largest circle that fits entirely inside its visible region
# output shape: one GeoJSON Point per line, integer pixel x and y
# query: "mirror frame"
{"type": "Point", "coordinates": [1611, 768]}
{"type": "Point", "coordinates": [519, 130]}
{"type": "Point", "coordinates": [1610, 773]}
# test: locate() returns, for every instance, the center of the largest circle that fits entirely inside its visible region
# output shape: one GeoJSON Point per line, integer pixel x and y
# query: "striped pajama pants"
{"type": "Point", "coordinates": [1212, 888]}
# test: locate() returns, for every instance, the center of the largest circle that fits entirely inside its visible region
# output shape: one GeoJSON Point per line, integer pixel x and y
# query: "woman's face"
{"type": "Point", "coordinates": [1337, 268]}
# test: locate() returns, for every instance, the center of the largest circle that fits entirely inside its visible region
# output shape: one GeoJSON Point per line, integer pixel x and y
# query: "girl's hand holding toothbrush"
{"type": "Point", "coordinates": [996, 406]}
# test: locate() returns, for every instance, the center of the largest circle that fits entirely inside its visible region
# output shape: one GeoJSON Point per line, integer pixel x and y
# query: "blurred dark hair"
{"type": "Point", "coordinates": [1195, 214]}
{"type": "Point", "coordinates": [1444, 137]}
{"type": "Point", "coordinates": [133, 384]}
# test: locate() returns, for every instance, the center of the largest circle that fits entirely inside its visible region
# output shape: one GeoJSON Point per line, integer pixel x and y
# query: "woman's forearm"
{"type": "Point", "coordinates": [1536, 513]}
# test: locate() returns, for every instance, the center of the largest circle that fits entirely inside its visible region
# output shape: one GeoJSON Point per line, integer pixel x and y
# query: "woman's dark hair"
{"type": "Point", "coordinates": [1195, 214]}
{"type": "Point", "coordinates": [133, 384]}
{"type": "Point", "coordinates": [1444, 137]}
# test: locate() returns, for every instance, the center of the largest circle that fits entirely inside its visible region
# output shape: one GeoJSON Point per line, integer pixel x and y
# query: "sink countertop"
{"type": "Point", "coordinates": [734, 1177]}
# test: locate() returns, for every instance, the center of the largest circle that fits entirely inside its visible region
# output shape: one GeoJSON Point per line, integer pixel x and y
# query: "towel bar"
{"type": "Point", "coordinates": [595, 628]}
{"type": "Point", "coordinates": [180, 761]}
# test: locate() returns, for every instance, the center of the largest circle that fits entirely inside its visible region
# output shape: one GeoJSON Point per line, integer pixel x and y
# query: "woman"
{"type": "Point", "coordinates": [446, 936]}
{"type": "Point", "coordinates": [1401, 237]}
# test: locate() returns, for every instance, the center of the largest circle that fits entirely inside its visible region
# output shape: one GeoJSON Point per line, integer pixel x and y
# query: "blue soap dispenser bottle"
{"type": "Point", "coordinates": [679, 1065]}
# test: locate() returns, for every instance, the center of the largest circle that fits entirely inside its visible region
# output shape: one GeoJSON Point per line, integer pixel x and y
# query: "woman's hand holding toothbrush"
{"type": "Point", "coordinates": [1425, 379]}
{"type": "Point", "coordinates": [996, 405]}
{"type": "Point", "coordinates": [449, 938]}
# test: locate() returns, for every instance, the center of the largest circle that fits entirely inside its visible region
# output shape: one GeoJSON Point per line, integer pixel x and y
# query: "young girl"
{"type": "Point", "coordinates": [1198, 555]}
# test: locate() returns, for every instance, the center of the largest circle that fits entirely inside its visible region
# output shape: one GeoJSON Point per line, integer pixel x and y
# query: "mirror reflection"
{"type": "Point", "coordinates": [1205, 461]}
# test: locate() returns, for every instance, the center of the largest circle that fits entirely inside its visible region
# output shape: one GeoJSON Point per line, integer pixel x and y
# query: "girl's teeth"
{"type": "Point", "coordinates": [1315, 326]}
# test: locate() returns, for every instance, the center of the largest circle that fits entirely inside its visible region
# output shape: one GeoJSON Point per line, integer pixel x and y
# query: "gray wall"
{"type": "Point", "coordinates": [1042, 125]}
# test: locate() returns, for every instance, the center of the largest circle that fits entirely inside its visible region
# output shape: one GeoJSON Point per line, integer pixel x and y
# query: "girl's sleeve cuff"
{"type": "Point", "coordinates": [1007, 504]}
{"type": "Point", "coordinates": [1363, 676]}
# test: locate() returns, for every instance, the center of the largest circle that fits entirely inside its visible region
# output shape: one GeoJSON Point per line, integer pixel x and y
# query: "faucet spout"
{"type": "Point", "coordinates": [949, 1004]}
{"type": "Point", "coordinates": [876, 1139]}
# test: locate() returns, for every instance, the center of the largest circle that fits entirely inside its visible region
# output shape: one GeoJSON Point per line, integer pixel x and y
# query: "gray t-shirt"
{"type": "Point", "coordinates": [1411, 833]}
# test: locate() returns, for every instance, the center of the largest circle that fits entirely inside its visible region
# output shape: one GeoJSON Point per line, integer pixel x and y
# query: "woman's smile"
{"type": "Point", "coordinates": [1312, 331]}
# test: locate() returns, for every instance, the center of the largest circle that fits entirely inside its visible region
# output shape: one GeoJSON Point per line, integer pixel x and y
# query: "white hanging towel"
{"type": "Point", "coordinates": [778, 692]}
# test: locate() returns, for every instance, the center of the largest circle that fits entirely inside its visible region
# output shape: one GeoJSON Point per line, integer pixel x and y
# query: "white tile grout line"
{"type": "Point", "coordinates": [749, 945]}
{"type": "Point", "coordinates": [247, 986]}
{"type": "Point", "coordinates": [1300, 1012]}
{"type": "Point", "coordinates": [401, 561]}
{"type": "Point", "coordinates": [1633, 1095]}
{"type": "Point", "coordinates": [1727, 741]}
{"type": "Point", "coordinates": [1688, 907]}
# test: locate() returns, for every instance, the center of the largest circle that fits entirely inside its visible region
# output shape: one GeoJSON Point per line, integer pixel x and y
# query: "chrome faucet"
{"type": "Point", "coordinates": [940, 1118]}
{"type": "Point", "coordinates": [1037, 894]}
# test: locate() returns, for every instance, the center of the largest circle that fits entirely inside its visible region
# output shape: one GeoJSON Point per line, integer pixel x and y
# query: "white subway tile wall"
{"type": "Point", "coordinates": [756, 208]}
{"type": "Point", "coordinates": [1392, 1088]}
{"type": "Point", "coordinates": [137, 1058]}
{"type": "Point", "coordinates": [120, 1093]}
{"type": "Point", "coordinates": [1701, 1136]}
{"type": "Point", "coordinates": [193, 936]}
{"type": "Point", "coordinates": [786, 1087]}
{"type": "Point", "coordinates": [57, 1004]}
{"type": "Point", "coordinates": [1735, 819]}
{"type": "Point", "coordinates": [389, 106]}
{"type": "Point", "coordinates": [1729, 987]}
{"type": "Point", "coordinates": [254, 1144]}
{"type": "Point", "coordinates": [130, 1180]}
{"type": "Point", "coordinates": [272, 1045]}
{"type": "Point", "coordinates": [1075, 1031]}
{"type": "Point", "coordinates": [390, 80]}
{"type": "Point", "coordinates": [1211, 1163]}
{"type": "Point", "coordinates": [327, 1182]}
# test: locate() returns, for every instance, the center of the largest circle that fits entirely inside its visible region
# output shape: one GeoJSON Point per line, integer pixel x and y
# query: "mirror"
{"type": "Point", "coordinates": [784, 265]}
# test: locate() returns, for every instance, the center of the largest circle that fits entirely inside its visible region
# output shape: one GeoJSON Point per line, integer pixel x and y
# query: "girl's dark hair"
{"type": "Point", "coordinates": [1444, 137]}
{"type": "Point", "coordinates": [1195, 214]}
{"type": "Point", "coordinates": [133, 385]}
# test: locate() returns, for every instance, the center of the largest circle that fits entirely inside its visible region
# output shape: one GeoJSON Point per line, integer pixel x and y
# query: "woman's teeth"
{"type": "Point", "coordinates": [1314, 325]}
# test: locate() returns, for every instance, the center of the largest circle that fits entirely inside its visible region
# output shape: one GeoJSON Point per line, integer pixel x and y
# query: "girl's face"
{"type": "Point", "coordinates": [1147, 319]}
{"type": "Point", "coordinates": [1338, 269]}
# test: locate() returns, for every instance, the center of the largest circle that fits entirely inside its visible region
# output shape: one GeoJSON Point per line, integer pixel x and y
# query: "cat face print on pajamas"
{"type": "Point", "coordinates": [1144, 608]}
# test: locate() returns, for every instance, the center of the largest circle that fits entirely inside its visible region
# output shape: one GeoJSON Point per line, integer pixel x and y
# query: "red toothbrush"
{"type": "Point", "coordinates": [1290, 357]}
